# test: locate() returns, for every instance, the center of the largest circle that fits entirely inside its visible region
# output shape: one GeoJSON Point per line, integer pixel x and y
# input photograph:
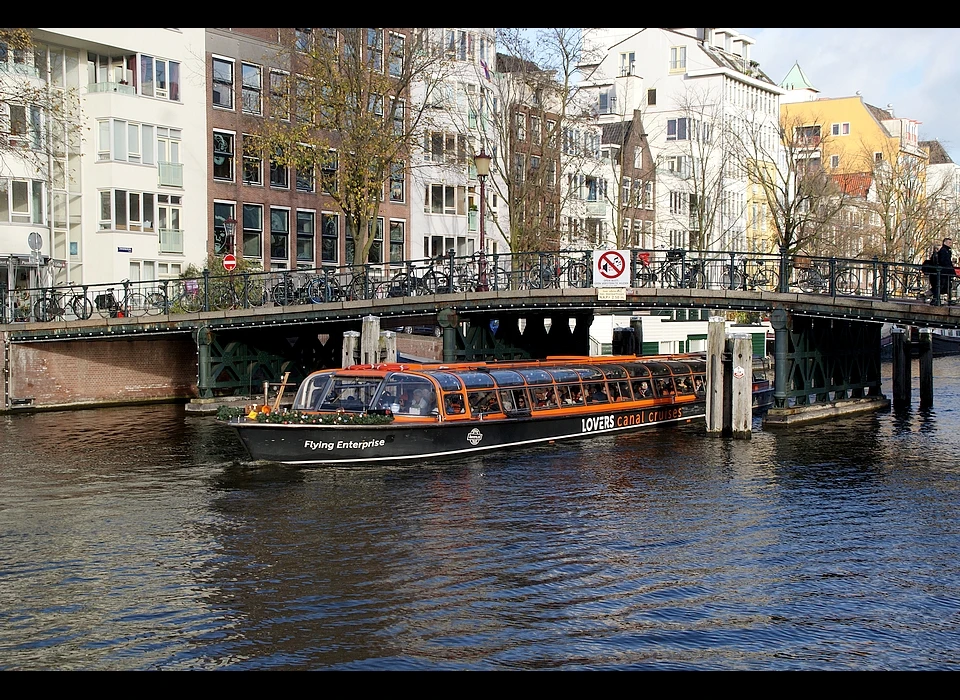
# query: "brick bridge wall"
{"type": "Point", "coordinates": [73, 373]}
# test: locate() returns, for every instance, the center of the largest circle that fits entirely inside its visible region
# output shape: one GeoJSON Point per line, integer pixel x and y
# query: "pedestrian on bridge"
{"type": "Point", "coordinates": [947, 273]}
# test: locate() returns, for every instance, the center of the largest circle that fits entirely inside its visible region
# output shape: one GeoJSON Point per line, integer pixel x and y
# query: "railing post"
{"type": "Point", "coordinates": [245, 299]}
{"type": "Point", "coordinates": [833, 276]}
{"type": "Point", "coordinates": [884, 280]}
{"type": "Point", "coordinates": [496, 281]}
{"type": "Point", "coordinates": [206, 289]}
{"type": "Point", "coordinates": [733, 267]}
{"type": "Point", "coordinates": [126, 296]}
{"type": "Point", "coordinates": [784, 273]}
{"type": "Point", "coordinates": [451, 254]}
{"type": "Point", "coordinates": [163, 291]}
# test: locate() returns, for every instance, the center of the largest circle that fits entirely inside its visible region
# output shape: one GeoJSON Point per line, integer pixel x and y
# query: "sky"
{"type": "Point", "coordinates": [915, 70]}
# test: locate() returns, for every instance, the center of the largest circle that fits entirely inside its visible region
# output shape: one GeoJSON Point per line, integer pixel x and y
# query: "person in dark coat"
{"type": "Point", "coordinates": [945, 261]}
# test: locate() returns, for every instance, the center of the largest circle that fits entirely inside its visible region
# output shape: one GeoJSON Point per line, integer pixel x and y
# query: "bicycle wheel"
{"type": "Point", "coordinates": [736, 282]}
{"type": "Point", "coordinates": [321, 290]}
{"type": "Point", "coordinates": [136, 305]}
{"type": "Point", "coordinates": [282, 294]}
{"type": "Point", "coordinates": [497, 278]}
{"type": "Point", "coordinates": [847, 283]}
{"type": "Point", "coordinates": [806, 282]}
{"type": "Point", "coordinates": [360, 287]}
{"type": "Point", "coordinates": [697, 280]}
{"type": "Point", "coordinates": [189, 302]}
{"type": "Point", "coordinates": [670, 279]}
{"type": "Point", "coordinates": [434, 282]}
{"type": "Point", "coordinates": [645, 278]}
{"type": "Point", "coordinates": [765, 280]}
{"type": "Point", "coordinates": [82, 307]}
{"type": "Point", "coordinates": [578, 275]}
{"type": "Point", "coordinates": [40, 311]}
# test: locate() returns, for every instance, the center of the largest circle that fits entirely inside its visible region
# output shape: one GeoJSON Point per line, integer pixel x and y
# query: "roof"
{"type": "Point", "coordinates": [725, 59]}
{"type": "Point", "coordinates": [616, 133]}
{"type": "Point", "coordinates": [938, 154]}
{"type": "Point", "coordinates": [879, 114]}
{"type": "Point", "coordinates": [854, 184]}
{"type": "Point", "coordinates": [512, 64]}
{"type": "Point", "coordinates": [796, 79]}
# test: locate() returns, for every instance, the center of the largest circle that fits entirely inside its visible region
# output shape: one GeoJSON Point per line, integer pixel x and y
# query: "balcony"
{"type": "Point", "coordinates": [171, 174]}
{"type": "Point", "coordinates": [112, 87]}
{"type": "Point", "coordinates": [171, 240]}
{"type": "Point", "coordinates": [596, 210]}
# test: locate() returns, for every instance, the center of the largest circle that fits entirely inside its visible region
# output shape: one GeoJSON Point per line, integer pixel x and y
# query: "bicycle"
{"type": "Point", "coordinates": [811, 280]}
{"type": "Point", "coordinates": [764, 276]}
{"type": "Point", "coordinates": [132, 303]}
{"type": "Point", "coordinates": [53, 304]}
{"type": "Point", "coordinates": [552, 270]}
{"type": "Point", "coordinates": [416, 281]}
{"type": "Point", "coordinates": [671, 272]}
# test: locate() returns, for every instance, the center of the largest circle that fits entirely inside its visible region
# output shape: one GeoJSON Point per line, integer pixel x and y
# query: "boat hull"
{"type": "Point", "coordinates": [304, 444]}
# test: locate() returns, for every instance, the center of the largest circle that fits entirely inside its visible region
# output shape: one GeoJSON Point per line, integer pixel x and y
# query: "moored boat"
{"type": "Point", "coordinates": [401, 413]}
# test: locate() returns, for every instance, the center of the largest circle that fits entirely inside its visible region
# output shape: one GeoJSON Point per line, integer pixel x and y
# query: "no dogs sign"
{"type": "Point", "coordinates": [611, 268]}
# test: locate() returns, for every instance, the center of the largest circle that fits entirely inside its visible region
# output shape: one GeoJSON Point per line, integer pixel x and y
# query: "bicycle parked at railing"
{"type": "Point", "coordinates": [814, 278]}
{"type": "Point", "coordinates": [54, 304]}
{"type": "Point", "coordinates": [417, 281]}
{"type": "Point", "coordinates": [672, 272]}
{"type": "Point", "coordinates": [556, 270]}
{"type": "Point", "coordinates": [131, 304]}
{"type": "Point", "coordinates": [750, 274]}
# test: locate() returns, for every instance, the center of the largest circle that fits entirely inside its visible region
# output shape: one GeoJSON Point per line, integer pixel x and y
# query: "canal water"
{"type": "Point", "coordinates": [140, 538]}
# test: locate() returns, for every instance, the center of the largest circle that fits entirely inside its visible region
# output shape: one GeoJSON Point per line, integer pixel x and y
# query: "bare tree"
{"type": "Point", "coordinates": [534, 133]}
{"type": "Point", "coordinates": [38, 119]}
{"type": "Point", "coordinates": [346, 114]}
{"type": "Point", "coordinates": [802, 197]}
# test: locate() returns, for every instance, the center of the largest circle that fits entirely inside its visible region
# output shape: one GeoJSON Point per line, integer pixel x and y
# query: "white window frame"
{"type": "Point", "coordinates": [214, 82]}
{"type": "Point", "coordinates": [246, 89]}
{"type": "Point", "coordinates": [233, 155]}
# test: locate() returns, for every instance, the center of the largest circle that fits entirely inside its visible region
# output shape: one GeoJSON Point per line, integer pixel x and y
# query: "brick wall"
{"type": "Point", "coordinates": [78, 372]}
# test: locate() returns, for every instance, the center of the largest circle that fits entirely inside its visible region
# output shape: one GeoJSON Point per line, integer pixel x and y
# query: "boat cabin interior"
{"type": "Point", "coordinates": [509, 389]}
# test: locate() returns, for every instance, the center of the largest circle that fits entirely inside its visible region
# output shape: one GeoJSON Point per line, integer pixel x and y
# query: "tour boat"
{"type": "Point", "coordinates": [403, 413]}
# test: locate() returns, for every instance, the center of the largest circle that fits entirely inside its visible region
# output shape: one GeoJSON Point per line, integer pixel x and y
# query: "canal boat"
{"type": "Point", "coordinates": [406, 413]}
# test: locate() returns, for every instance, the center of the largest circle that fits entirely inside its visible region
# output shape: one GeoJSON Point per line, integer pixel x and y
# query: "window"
{"type": "Point", "coordinates": [648, 195]}
{"type": "Point", "coordinates": [161, 78]}
{"type": "Point", "coordinates": [168, 214]}
{"type": "Point", "coordinates": [807, 135]}
{"type": "Point", "coordinates": [21, 201]}
{"type": "Point", "coordinates": [398, 116]}
{"type": "Point", "coordinates": [252, 161]}
{"type": "Point", "coordinates": [607, 101]}
{"type": "Point", "coordinates": [521, 127]}
{"type": "Point", "coordinates": [279, 94]}
{"type": "Point", "coordinates": [252, 231]}
{"type": "Point", "coordinates": [878, 157]}
{"type": "Point", "coordinates": [535, 132]}
{"type": "Point", "coordinates": [221, 212]}
{"type": "Point", "coordinates": [678, 58]}
{"type": "Point", "coordinates": [396, 54]}
{"type": "Point", "coordinates": [397, 240]}
{"type": "Point", "coordinates": [397, 181]}
{"type": "Point", "coordinates": [329, 238]}
{"type": "Point", "coordinates": [375, 48]}
{"type": "Point", "coordinates": [252, 89]}
{"type": "Point", "coordinates": [303, 39]}
{"type": "Point", "coordinates": [834, 161]}
{"type": "Point", "coordinates": [222, 83]}
{"type": "Point", "coordinates": [626, 186]}
{"type": "Point", "coordinates": [223, 155]}
{"type": "Point", "coordinates": [305, 229]}
{"type": "Point", "coordinates": [303, 102]}
{"type": "Point", "coordinates": [376, 248]}
{"type": "Point", "coordinates": [652, 97]}
{"type": "Point", "coordinates": [279, 174]}
{"type": "Point", "coordinates": [841, 129]}
{"type": "Point", "coordinates": [328, 39]}
{"type": "Point", "coordinates": [627, 63]}
{"type": "Point", "coordinates": [279, 234]}
{"type": "Point", "coordinates": [306, 182]}
{"type": "Point", "coordinates": [328, 172]}
{"type": "Point", "coordinates": [445, 199]}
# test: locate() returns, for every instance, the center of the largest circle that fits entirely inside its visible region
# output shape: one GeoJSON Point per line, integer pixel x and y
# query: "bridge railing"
{"type": "Point", "coordinates": [745, 271]}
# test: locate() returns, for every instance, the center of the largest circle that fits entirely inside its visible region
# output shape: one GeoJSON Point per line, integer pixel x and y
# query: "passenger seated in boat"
{"type": "Point", "coordinates": [541, 398]}
{"type": "Point", "coordinates": [598, 394]}
{"type": "Point", "coordinates": [576, 396]}
{"type": "Point", "coordinates": [506, 400]}
{"type": "Point", "coordinates": [698, 385]}
{"type": "Point", "coordinates": [352, 403]}
{"type": "Point", "coordinates": [421, 404]}
{"type": "Point", "coordinates": [452, 404]}
{"type": "Point", "coordinates": [387, 400]}
{"type": "Point", "coordinates": [641, 390]}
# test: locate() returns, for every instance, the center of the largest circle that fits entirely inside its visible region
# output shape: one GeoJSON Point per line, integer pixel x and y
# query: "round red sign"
{"type": "Point", "coordinates": [229, 262]}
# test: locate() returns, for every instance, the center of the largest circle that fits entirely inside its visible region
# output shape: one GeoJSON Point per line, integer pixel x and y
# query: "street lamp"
{"type": "Point", "coordinates": [230, 230]}
{"type": "Point", "coordinates": [482, 163]}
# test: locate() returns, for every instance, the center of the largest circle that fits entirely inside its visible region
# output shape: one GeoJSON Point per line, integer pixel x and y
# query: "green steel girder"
{"type": "Point", "coordinates": [537, 339]}
{"type": "Point", "coordinates": [832, 357]}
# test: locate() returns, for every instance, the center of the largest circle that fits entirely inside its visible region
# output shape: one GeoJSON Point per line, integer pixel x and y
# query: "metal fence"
{"type": "Point", "coordinates": [458, 274]}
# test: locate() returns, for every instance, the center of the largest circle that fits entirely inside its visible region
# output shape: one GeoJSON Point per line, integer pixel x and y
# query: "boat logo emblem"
{"type": "Point", "coordinates": [474, 436]}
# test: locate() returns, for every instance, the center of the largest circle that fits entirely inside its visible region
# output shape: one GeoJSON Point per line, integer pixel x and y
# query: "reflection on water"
{"type": "Point", "coordinates": [142, 538]}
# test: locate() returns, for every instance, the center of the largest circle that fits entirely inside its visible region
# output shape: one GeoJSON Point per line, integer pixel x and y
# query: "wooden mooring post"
{"type": "Point", "coordinates": [901, 368]}
{"type": "Point", "coordinates": [729, 382]}
{"type": "Point", "coordinates": [926, 368]}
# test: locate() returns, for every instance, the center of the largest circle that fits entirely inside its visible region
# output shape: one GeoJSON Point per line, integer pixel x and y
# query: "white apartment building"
{"type": "Point", "coordinates": [125, 198]}
{"type": "Point", "coordinates": [699, 93]}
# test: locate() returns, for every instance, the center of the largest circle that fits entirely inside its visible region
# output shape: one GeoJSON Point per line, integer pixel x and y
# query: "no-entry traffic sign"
{"type": "Point", "coordinates": [229, 262]}
{"type": "Point", "coordinates": [610, 268]}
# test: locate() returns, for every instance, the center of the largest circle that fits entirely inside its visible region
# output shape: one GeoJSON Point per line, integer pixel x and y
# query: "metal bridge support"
{"type": "Point", "coordinates": [824, 368]}
{"type": "Point", "coordinates": [926, 368]}
{"type": "Point", "coordinates": [543, 333]}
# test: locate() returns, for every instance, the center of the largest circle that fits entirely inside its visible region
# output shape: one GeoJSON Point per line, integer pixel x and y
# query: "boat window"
{"type": "Point", "coordinates": [587, 373]}
{"type": "Point", "coordinates": [536, 376]}
{"type": "Point", "coordinates": [544, 397]}
{"type": "Point", "coordinates": [563, 375]}
{"type": "Point", "coordinates": [642, 389]}
{"type": "Point", "coordinates": [570, 394]}
{"type": "Point", "coordinates": [700, 385]}
{"type": "Point", "coordinates": [614, 371]}
{"type": "Point", "coordinates": [514, 400]}
{"type": "Point", "coordinates": [447, 382]}
{"type": "Point", "coordinates": [477, 380]}
{"type": "Point", "coordinates": [349, 394]}
{"type": "Point", "coordinates": [506, 377]}
{"type": "Point", "coordinates": [619, 390]}
{"type": "Point", "coordinates": [453, 404]}
{"type": "Point", "coordinates": [407, 394]}
{"type": "Point", "coordinates": [597, 392]}
{"type": "Point", "coordinates": [684, 386]}
{"type": "Point", "coordinates": [311, 393]}
{"type": "Point", "coordinates": [658, 369]}
{"type": "Point", "coordinates": [637, 370]}
{"type": "Point", "coordinates": [665, 386]}
{"type": "Point", "coordinates": [678, 367]}
{"type": "Point", "coordinates": [483, 402]}
{"type": "Point", "coordinates": [696, 366]}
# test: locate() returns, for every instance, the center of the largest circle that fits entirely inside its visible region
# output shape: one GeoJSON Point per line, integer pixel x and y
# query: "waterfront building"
{"type": "Point", "coordinates": [701, 98]}
{"type": "Point", "coordinates": [117, 189]}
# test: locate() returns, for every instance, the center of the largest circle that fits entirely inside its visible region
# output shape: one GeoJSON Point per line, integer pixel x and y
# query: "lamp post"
{"type": "Point", "coordinates": [482, 163]}
{"type": "Point", "coordinates": [230, 230]}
